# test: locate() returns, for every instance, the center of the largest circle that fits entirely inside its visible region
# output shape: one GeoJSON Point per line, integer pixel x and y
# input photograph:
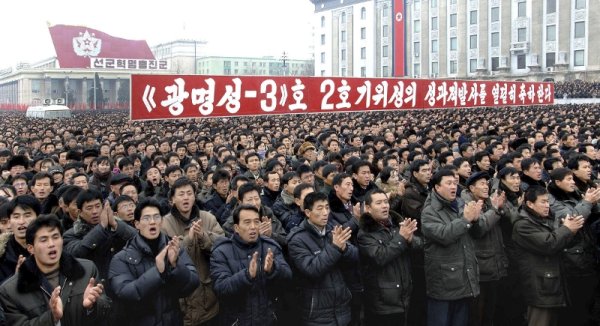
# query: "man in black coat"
{"type": "Point", "coordinates": [384, 245]}
{"type": "Point", "coordinates": [318, 254]}
{"type": "Point", "coordinates": [97, 235]}
{"type": "Point", "coordinates": [51, 286]}
{"type": "Point", "coordinates": [539, 243]}
{"type": "Point", "coordinates": [244, 285]}
{"type": "Point", "coordinates": [21, 211]}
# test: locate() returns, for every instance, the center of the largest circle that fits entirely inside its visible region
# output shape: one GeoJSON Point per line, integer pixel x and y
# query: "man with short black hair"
{"type": "Point", "coordinates": [284, 204]}
{"type": "Point", "coordinates": [270, 189]}
{"type": "Point", "coordinates": [96, 235]}
{"type": "Point", "coordinates": [249, 193]}
{"type": "Point", "coordinates": [220, 195]}
{"type": "Point", "coordinates": [451, 270]}
{"type": "Point", "coordinates": [197, 230]}
{"type": "Point", "coordinates": [21, 211]}
{"type": "Point", "coordinates": [383, 243]}
{"type": "Point", "coordinates": [578, 259]}
{"type": "Point", "coordinates": [319, 253]}
{"type": "Point", "coordinates": [540, 243]}
{"type": "Point", "coordinates": [37, 295]}
{"type": "Point", "coordinates": [243, 285]}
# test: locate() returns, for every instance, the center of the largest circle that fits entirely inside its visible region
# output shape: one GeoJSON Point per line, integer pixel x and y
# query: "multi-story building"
{"type": "Point", "coordinates": [503, 39]}
{"type": "Point", "coordinates": [265, 66]}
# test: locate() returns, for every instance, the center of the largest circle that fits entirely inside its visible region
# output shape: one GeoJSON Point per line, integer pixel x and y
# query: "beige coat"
{"type": "Point", "coordinates": [202, 305]}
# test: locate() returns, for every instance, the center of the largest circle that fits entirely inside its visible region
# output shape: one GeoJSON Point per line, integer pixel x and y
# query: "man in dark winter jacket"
{"type": "Point", "coordinates": [245, 270]}
{"type": "Point", "coordinates": [284, 204]}
{"type": "Point", "coordinates": [318, 253]}
{"type": "Point", "coordinates": [220, 195]}
{"type": "Point", "coordinates": [21, 211]}
{"type": "Point", "coordinates": [151, 273]}
{"type": "Point", "coordinates": [383, 245]}
{"type": "Point", "coordinates": [532, 174]}
{"type": "Point", "coordinates": [270, 189]}
{"type": "Point", "coordinates": [579, 258]}
{"type": "Point", "coordinates": [451, 271]}
{"type": "Point", "coordinates": [412, 204]}
{"type": "Point", "coordinates": [539, 243]}
{"type": "Point", "coordinates": [345, 215]}
{"type": "Point", "coordinates": [51, 286]}
{"type": "Point", "coordinates": [96, 235]}
{"type": "Point", "coordinates": [489, 249]}
{"type": "Point", "coordinates": [271, 227]}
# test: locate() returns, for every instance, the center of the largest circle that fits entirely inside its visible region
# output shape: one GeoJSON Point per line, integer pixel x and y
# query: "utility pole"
{"type": "Point", "coordinates": [284, 60]}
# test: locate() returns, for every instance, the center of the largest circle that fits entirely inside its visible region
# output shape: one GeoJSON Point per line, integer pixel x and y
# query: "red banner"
{"type": "Point", "coordinates": [75, 45]}
{"type": "Point", "coordinates": [175, 96]}
{"type": "Point", "coordinates": [399, 64]}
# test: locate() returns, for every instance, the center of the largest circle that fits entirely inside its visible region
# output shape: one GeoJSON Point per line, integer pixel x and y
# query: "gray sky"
{"type": "Point", "coordinates": [231, 27]}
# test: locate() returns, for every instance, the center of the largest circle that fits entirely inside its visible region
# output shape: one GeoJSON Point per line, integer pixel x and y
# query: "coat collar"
{"type": "Point", "coordinates": [30, 278]}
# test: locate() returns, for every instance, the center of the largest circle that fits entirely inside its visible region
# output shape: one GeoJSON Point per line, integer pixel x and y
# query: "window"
{"type": "Point", "coordinates": [322, 21]}
{"type": "Point", "coordinates": [550, 6]}
{"type": "Point", "coordinates": [363, 71]}
{"type": "Point", "coordinates": [495, 40]}
{"type": "Point", "coordinates": [580, 4]}
{"type": "Point", "coordinates": [385, 11]}
{"type": "Point", "coordinates": [522, 9]}
{"type": "Point", "coordinates": [495, 14]}
{"type": "Point", "coordinates": [363, 33]}
{"type": "Point", "coordinates": [384, 51]}
{"type": "Point", "coordinates": [384, 71]}
{"type": "Point", "coordinates": [363, 53]}
{"type": "Point", "coordinates": [417, 26]}
{"type": "Point", "coordinates": [385, 30]}
{"type": "Point", "coordinates": [343, 72]}
{"type": "Point", "coordinates": [452, 20]}
{"type": "Point", "coordinates": [343, 18]}
{"type": "Point", "coordinates": [579, 58]}
{"type": "Point", "coordinates": [417, 48]}
{"type": "Point", "coordinates": [363, 13]}
{"type": "Point", "coordinates": [472, 65]}
{"type": "Point", "coordinates": [433, 3]}
{"type": "Point", "coordinates": [579, 29]}
{"type": "Point", "coordinates": [521, 61]}
{"type": "Point", "coordinates": [521, 34]}
{"type": "Point", "coordinates": [435, 68]}
{"type": "Point", "coordinates": [453, 67]}
{"type": "Point", "coordinates": [453, 44]}
{"type": "Point", "coordinates": [322, 72]}
{"type": "Point", "coordinates": [343, 36]}
{"type": "Point", "coordinates": [322, 57]}
{"type": "Point", "coordinates": [473, 42]}
{"type": "Point", "coordinates": [434, 23]}
{"type": "Point", "coordinates": [495, 63]}
{"type": "Point", "coordinates": [417, 69]}
{"type": "Point", "coordinates": [473, 17]}
{"type": "Point", "coordinates": [551, 33]}
{"type": "Point", "coordinates": [322, 39]}
{"type": "Point", "coordinates": [343, 54]}
{"type": "Point", "coordinates": [434, 46]}
{"type": "Point", "coordinates": [550, 59]}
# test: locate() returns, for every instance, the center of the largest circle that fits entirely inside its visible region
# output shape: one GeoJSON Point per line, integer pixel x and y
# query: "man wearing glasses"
{"type": "Point", "coordinates": [151, 273]}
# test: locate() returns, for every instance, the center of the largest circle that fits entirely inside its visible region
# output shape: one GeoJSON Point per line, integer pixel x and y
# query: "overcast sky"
{"type": "Point", "coordinates": [231, 27]}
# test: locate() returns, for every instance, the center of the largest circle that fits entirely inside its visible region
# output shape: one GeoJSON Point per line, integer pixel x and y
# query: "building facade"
{"type": "Point", "coordinates": [264, 66]}
{"type": "Point", "coordinates": [469, 39]}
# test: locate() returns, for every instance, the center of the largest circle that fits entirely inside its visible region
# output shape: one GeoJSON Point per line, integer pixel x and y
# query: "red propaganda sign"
{"type": "Point", "coordinates": [75, 45]}
{"type": "Point", "coordinates": [176, 96]}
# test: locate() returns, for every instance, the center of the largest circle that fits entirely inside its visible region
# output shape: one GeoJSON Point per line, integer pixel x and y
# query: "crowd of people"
{"type": "Point", "coordinates": [576, 89]}
{"type": "Point", "coordinates": [483, 216]}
